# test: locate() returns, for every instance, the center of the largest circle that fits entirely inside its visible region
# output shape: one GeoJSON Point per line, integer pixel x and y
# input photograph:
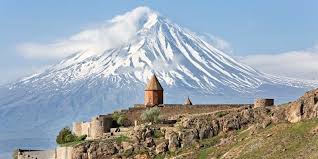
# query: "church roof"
{"type": "Point", "coordinates": [153, 84]}
{"type": "Point", "coordinates": [187, 101]}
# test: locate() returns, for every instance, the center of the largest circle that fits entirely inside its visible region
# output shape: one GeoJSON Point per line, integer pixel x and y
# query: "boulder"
{"type": "Point", "coordinates": [205, 132]}
{"type": "Point", "coordinates": [305, 107]}
{"type": "Point", "coordinates": [188, 137]}
{"type": "Point", "coordinates": [173, 140]}
{"type": "Point", "coordinates": [149, 142]}
{"type": "Point", "coordinates": [162, 147]}
{"type": "Point", "coordinates": [142, 156]}
{"type": "Point", "coordinates": [127, 146]}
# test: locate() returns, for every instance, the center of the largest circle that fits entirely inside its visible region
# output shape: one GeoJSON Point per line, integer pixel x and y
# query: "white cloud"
{"type": "Point", "coordinates": [13, 74]}
{"type": "Point", "coordinates": [113, 33]}
{"type": "Point", "coordinates": [302, 64]}
{"type": "Point", "coordinates": [218, 43]}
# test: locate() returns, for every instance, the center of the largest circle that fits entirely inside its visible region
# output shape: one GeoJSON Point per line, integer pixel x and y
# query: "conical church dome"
{"type": "Point", "coordinates": [153, 84]}
{"type": "Point", "coordinates": [188, 101]}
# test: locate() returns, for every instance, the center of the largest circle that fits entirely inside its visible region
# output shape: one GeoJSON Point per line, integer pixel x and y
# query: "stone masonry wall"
{"type": "Point", "coordinates": [96, 127]}
{"type": "Point", "coordinates": [77, 128]}
{"type": "Point", "coordinates": [170, 111]}
{"type": "Point", "coordinates": [263, 102]}
{"type": "Point", "coordinates": [38, 154]}
{"type": "Point", "coordinates": [64, 152]}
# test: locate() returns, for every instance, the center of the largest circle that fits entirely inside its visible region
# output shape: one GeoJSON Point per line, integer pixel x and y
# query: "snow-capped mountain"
{"type": "Point", "coordinates": [95, 81]}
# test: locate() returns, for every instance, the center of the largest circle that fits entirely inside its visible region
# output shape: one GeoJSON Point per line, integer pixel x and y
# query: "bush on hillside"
{"type": "Point", "coordinates": [66, 136]}
{"type": "Point", "coordinates": [120, 118]}
{"type": "Point", "coordinates": [151, 115]}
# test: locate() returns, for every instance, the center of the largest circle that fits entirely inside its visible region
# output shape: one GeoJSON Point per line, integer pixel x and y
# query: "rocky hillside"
{"type": "Point", "coordinates": [244, 132]}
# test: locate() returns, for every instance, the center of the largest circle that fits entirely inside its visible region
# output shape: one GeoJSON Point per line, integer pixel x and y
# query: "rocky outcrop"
{"type": "Point", "coordinates": [98, 149]}
{"type": "Point", "coordinates": [162, 147]}
{"type": "Point", "coordinates": [305, 107]}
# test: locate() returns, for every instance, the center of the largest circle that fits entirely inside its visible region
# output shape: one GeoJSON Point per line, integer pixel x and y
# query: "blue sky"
{"type": "Point", "coordinates": [257, 31]}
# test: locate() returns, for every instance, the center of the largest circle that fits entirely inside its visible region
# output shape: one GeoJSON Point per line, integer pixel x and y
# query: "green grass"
{"type": "Point", "coordinates": [160, 157]}
{"type": "Point", "coordinates": [122, 138]}
{"type": "Point", "coordinates": [72, 143]}
{"type": "Point", "coordinates": [284, 140]}
{"type": "Point", "coordinates": [158, 134]}
{"type": "Point", "coordinates": [203, 154]}
{"type": "Point", "coordinates": [221, 114]}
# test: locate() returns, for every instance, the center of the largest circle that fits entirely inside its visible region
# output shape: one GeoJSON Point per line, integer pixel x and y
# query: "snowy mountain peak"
{"type": "Point", "coordinates": [140, 17]}
{"type": "Point", "coordinates": [178, 56]}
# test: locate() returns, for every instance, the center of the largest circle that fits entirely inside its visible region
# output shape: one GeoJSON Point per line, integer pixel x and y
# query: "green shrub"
{"type": "Point", "coordinates": [158, 134]}
{"type": "Point", "coordinates": [221, 114]}
{"type": "Point", "coordinates": [122, 138]}
{"type": "Point", "coordinates": [81, 138]}
{"type": "Point", "coordinates": [66, 136]}
{"type": "Point", "coordinates": [120, 118]}
{"type": "Point", "coordinates": [151, 115]}
{"type": "Point", "coordinates": [116, 115]}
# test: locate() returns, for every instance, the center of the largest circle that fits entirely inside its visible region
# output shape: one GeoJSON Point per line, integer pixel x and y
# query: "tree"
{"type": "Point", "coordinates": [120, 118]}
{"type": "Point", "coordinates": [66, 136]}
{"type": "Point", "coordinates": [151, 115]}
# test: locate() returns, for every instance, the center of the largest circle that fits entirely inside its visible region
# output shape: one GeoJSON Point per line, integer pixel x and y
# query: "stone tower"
{"type": "Point", "coordinates": [187, 102]}
{"type": "Point", "coordinates": [153, 92]}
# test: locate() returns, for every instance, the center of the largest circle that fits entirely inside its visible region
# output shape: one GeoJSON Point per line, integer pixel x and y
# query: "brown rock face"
{"type": "Point", "coordinates": [305, 107]}
{"type": "Point", "coordinates": [149, 142]}
{"type": "Point", "coordinates": [141, 156]}
{"type": "Point", "coordinates": [188, 137]}
{"type": "Point", "coordinates": [173, 140]}
{"type": "Point", "coordinates": [162, 147]}
{"type": "Point", "coordinates": [94, 150]}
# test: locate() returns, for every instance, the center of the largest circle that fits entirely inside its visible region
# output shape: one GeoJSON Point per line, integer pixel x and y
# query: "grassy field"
{"type": "Point", "coordinates": [284, 140]}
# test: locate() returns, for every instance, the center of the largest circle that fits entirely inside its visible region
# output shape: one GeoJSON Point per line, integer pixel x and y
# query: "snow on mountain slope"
{"type": "Point", "coordinates": [99, 80]}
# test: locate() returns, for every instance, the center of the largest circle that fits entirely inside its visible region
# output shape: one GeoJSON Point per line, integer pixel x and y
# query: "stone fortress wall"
{"type": "Point", "coordinates": [172, 111]}
{"type": "Point", "coordinates": [263, 102]}
{"type": "Point", "coordinates": [94, 128]}
{"type": "Point", "coordinates": [101, 124]}
{"type": "Point", "coordinates": [39, 154]}
{"type": "Point", "coordinates": [64, 152]}
{"type": "Point", "coordinates": [58, 153]}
